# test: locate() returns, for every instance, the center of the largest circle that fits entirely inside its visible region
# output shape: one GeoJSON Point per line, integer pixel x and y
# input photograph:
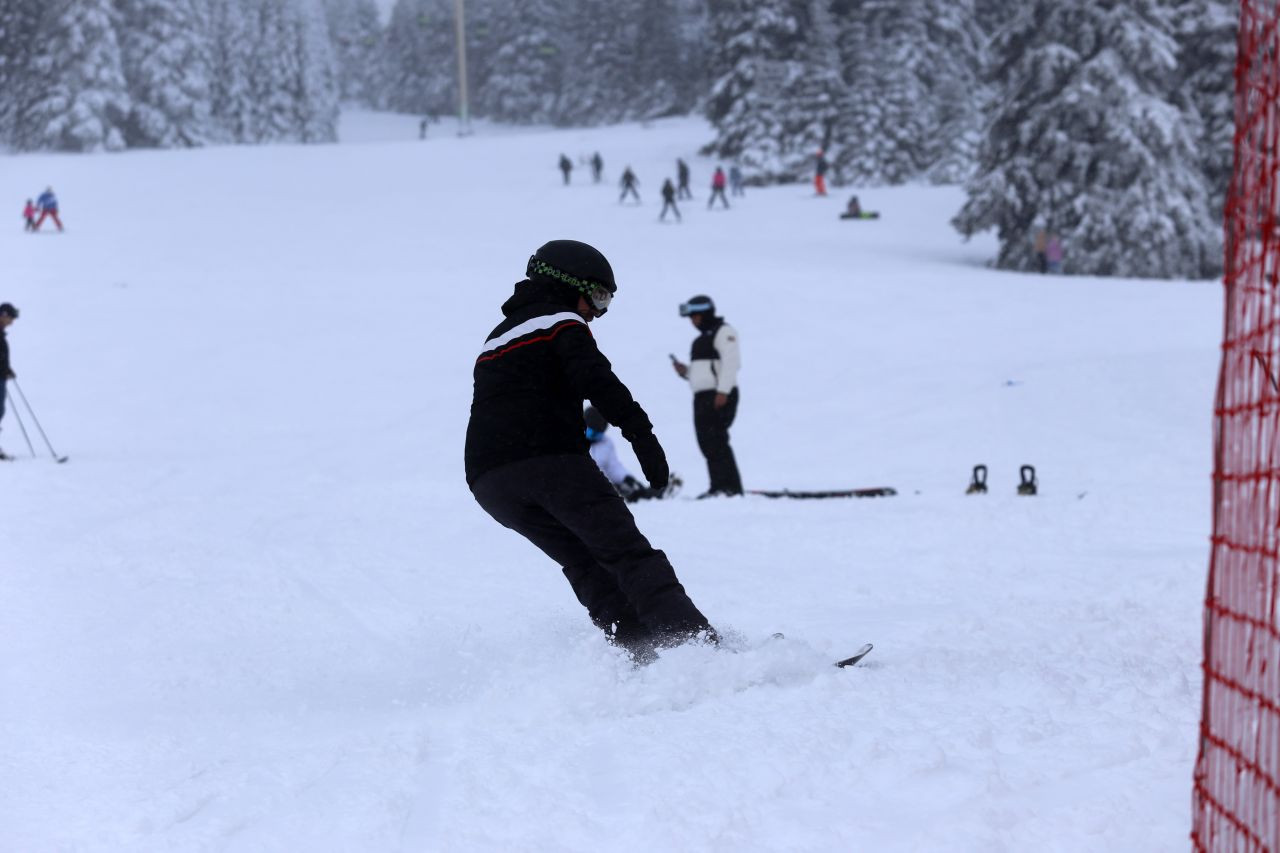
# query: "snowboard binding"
{"type": "Point", "coordinates": [978, 486]}
{"type": "Point", "coordinates": [1027, 474]}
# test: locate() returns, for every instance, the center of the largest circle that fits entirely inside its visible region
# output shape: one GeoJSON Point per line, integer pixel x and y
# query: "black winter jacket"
{"type": "Point", "coordinates": [4, 356]}
{"type": "Point", "coordinates": [531, 377]}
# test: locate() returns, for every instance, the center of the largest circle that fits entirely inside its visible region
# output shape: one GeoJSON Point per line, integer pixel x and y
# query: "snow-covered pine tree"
{"type": "Point", "coordinates": [77, 100]}
{"type": "Point", "coordinates": [958, 99]}
{"type": "Point", "coordinates": [886, 130]}
{"type": "Point", "coordinates": [599, 61]}
{"type": "Point", "coordinates": [230, 44]}
{"type": "Point", "coordinates": [355, 32]}
{"type": "Point", "coordinates": [775, 93]}
{"type": "Point", "coordinates": [165, 57]}
{"type": "Point", "coordinates": [525, 80]}
{"type": "Point", "coordinates": [1085, 141]}
{"type": "Point", "coordinates": [19, 28]}
{"type": "Point", "coordinates": [313, 81]}
{"type": "Point", "coordinates": [1207, 31]}
{"type": "Point", "coordinates": [272, 67]}
{"type": "Point", "coordinates": [994, 14]}
{"type": "Point", "coordinates": [421, 58]}
{"type": "Point", "coordinates": [654, 77]}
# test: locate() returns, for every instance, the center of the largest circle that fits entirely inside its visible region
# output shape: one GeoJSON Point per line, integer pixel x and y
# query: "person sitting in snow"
{"type": "Point", "coordinates": [854, 211]}
{"type": "Point", "coordinates": [606, 459]}
{"type": "Point", "coordinates": [29, 214]}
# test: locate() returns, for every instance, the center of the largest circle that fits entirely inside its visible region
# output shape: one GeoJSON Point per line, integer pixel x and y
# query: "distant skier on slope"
{"type": "Point", "coordinates": [820, 173]}
{"type": "Point", "coordinates": [668, 201]}
{"type": "Point", "coordinates": [629, 183]}
{"type": "Point", "coordinates": [735, 180]}
{"type": "Point", "coordinates": [606, 458]}
{"type": "Point", "coordinates": [526, 452]}
{"type": "Point", "coordinates": [7, 315]}
{"type": "Point", "coordinates": [717, 189]}
{"type": "Point", "coordinates": [597, 167]}
{"type": "Point", "coordinates": [566, 168]}
{"type": "Point", "coordinates": [48, 204]}
{"type": "Point", "coordinates": [29, 214]}
{"type": "Point", "coordinates": [682, 178]}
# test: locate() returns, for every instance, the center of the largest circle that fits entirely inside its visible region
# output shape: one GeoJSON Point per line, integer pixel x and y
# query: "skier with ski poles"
{"type": "Point", "coordinates": [8, 314]}
{"type": "Point", "coordinates": [526, 452]}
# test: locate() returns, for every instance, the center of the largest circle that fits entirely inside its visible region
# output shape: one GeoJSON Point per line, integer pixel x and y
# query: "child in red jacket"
{"type": "Point", "coordinates": [29, 213]}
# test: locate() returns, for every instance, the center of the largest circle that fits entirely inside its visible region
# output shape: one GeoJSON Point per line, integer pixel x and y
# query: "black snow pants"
{"type": "Point", "coordinates": [712, 426]}
{"type": "Point", "coordinates": [566, 507]}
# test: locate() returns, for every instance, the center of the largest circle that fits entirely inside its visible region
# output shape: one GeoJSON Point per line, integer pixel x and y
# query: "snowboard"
{"type": "Point", "coordinates": [855, 657]}
{"type": "Point", "coordinates": [849, 661]}
{"type": "Point", "coordinates": [878, 492]}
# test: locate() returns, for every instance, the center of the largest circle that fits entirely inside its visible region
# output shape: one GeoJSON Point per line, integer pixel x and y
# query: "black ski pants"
{"type": "Point", "coordinates": [668, 203]}
{"type": "Point", "coordinates": [566, 507]}
{"type": "Point", "coordinates": [717, 192]}
{"type": "Point", "coordinates": [628, 188]}
{"type": "Point", "coordinates": [712, 426]}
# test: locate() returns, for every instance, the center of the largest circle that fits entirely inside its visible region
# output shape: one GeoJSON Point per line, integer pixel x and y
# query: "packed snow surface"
{"type": "Point", "coordinates": [258, 609]}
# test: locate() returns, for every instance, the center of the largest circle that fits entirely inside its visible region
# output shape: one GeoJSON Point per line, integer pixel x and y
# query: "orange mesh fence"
{"type": "Point", "coordinates": [1237, 776]}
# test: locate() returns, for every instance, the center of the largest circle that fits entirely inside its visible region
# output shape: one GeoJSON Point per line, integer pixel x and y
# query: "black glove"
{"type": "Point", "coordinates": [653, 462]}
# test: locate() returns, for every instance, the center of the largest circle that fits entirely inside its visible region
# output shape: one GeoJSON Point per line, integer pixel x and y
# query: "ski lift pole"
{"type": "Point", "coordinates": [460, 25]}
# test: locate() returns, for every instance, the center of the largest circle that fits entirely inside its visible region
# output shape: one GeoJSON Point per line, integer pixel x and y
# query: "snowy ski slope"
{"type": "Point", "coordinates": [258, 609]}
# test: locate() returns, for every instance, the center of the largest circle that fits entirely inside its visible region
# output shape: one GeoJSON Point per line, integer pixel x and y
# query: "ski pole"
{"type": "Point", "coordinates": [18, 416]}
{"type": "Point", "coordinates": [36, 421]}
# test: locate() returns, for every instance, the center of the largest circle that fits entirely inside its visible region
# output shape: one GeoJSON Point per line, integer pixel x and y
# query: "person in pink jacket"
{"type": "Point", "coordinates": [718, 183]}
{"type": "Point", "coordinates": [29, 214]}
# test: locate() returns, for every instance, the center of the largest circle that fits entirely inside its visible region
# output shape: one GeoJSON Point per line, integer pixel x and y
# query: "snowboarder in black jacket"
{"type": "Point", "coordinates": [527, 460]}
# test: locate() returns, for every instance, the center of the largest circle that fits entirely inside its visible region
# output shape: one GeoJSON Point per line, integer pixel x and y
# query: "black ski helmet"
{"type": "Point", "coordinates": [700, 304]}
{"type": "Point", "coordinates": [577, 265]}
{"type": "Point", "coordinates": [594, 420]}
{"type": "Point", "coordinates": [7, 310]}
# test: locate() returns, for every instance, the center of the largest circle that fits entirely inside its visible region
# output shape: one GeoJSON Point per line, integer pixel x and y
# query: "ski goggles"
{"type": "Point", "coordinates": [698, 307]}
{"type": "Point", "coordinates": [599, 297]}
{"type": "Point", "coordinates": [594, 434]}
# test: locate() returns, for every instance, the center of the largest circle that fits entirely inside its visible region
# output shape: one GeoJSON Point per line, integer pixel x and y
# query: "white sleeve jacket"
{"type": "Point", "coordinates": [715, 359]}
{"type": "Point", "coordinates": [606, 458]}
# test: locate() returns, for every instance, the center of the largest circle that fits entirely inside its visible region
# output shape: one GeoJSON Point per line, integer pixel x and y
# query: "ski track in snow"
{"type": "Point", "coordinates": [258, 610]}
